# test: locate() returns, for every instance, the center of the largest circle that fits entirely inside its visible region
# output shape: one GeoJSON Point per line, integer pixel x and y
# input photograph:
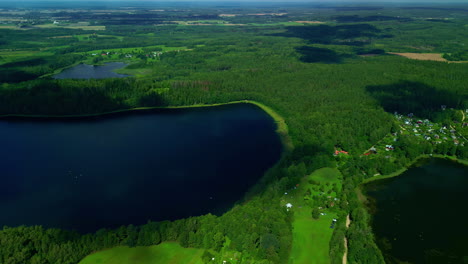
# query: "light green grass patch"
{"type": "Point", "coordinates": [326, 175]}
{"type": "Point", "coordinates": [167, 252]}
{"type": "Point", "coordinates": [9, 26]}
{"type": "Point", "coordinates": [311, 238]}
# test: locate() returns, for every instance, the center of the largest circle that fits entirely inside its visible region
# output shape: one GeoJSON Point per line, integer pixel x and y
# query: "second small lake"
{"type": "Point", "coordinates": [420, 215]}
{"type": "Point", "coordinates": [103, 172]}
{"type": "Point", "coordinates": [85, 71]}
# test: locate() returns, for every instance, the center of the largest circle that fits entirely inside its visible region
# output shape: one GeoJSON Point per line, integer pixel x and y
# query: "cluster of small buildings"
{"type": "Point", "coordinates": [154, 54]}
{"type": "Point", "coordinates": [427, 130]}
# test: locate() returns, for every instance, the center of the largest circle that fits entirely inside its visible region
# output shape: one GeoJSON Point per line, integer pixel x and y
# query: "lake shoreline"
{"type": "Point", "coordinates": [281, 129]}
{"type": "Point", "coordinates": [359, 189]}
{"type": "Point", "coordinates": [81, 70]}
{"type": "Point", "coordinates": [166, 148]}
{"type": "Point", "coordinates": [420, 157]}
{"type": "Point", "coordinates": [400, 202]}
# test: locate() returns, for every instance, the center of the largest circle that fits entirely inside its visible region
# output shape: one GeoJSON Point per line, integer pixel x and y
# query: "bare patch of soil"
{"type": "Point", "coordinates": [421, 56]}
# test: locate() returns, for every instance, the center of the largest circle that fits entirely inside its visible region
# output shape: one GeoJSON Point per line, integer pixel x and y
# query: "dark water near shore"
{"type": "Point", "coordinates": [420, 216]}
{"type": "Point", "coordinates": [91, 173]}
{"type": "Point", "coordinates": [85, 71]}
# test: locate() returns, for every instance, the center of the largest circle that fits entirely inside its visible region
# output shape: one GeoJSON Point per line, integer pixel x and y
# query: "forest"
{"type": "Point", "coordinates": [328, 71]}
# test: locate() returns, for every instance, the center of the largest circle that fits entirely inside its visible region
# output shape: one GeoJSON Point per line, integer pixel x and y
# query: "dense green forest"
{"type": "Point", "coordinates": [334, 82]}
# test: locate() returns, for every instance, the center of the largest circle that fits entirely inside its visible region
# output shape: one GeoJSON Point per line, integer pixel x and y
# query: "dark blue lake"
{"type": "Point", "coordinates": [85, 71]}
{"type": "Point", "coordinates": [108, 171]}
{"type": "Point", "coordinates": [420, 216]}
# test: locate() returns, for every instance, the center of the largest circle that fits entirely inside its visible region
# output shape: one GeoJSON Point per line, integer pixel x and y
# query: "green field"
{"type": "Point", "coordinates": [311, 237]}
{"type": "Point", "coordinates": [168, 252]}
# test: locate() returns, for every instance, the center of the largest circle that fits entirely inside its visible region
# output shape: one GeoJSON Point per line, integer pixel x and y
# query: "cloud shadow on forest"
{"type": "Point", "coordinates": [313, 54]}
{"type": "Point", "coordinates": [357, 19]}
{"type": "Point", "coordinates": [351, 35]}
{"type": "Point", "coordinates": [414, 97]}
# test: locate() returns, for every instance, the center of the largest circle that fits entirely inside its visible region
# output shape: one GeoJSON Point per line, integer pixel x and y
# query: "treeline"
{"type": "Point", "coordinates": [31, 69]}
{"type": "Point", "coordinates": [260, 230]}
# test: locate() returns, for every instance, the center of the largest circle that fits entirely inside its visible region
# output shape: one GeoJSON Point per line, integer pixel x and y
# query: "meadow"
{"type": "Point", "coordinates": [166, 252]}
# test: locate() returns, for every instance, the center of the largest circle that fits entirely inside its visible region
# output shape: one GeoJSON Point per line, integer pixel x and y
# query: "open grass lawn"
{"type": "Point", "coordinates": [311, 237]}
{"type": "Point", "coordinates": [325, 175]}
{"type": "Point", "coordinates": [167, 252]}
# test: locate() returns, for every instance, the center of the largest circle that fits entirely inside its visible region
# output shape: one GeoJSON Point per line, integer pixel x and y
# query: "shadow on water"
{"type": "Point", "coordinates": [414, 97]}
{"type": "Point", "coordinates": [352, 35]}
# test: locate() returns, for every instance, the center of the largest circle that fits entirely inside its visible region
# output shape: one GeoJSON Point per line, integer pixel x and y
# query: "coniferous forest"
{"type": "Point", "coordinates": [331, 71]}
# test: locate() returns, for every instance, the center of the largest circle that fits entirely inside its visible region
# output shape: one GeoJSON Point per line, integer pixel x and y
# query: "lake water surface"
{"type": "Point", "coordinates": [85, 71]}
{"type": "Point", "coordinates": [91, 173]}
{"type": "Point", "coordinates": [420, 216]}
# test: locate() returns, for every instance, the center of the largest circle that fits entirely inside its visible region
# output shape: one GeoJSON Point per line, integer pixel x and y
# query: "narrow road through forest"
{"type": "Point", "coordinates": [345, 255]}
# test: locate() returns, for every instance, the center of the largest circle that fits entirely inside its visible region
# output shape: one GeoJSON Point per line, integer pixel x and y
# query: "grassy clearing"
{"type": "Point", "coordinates": [311, 237]}
{"type": "Point", "coordinates": [325, 175]}
{"type": "Point", "coordinates": [421, 56]}
{"type": "Point", "coordinates": [167, 252]}
{"type": "Point", "coordinates": [9, 26]}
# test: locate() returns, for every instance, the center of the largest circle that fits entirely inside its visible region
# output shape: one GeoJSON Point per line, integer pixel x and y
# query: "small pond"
{"type": "Point", "coordinates": [420, 216]}
{"type": "Point", "coordinates": [85, 71]}
{"type": "Point", "coordinates": [108, 171]}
